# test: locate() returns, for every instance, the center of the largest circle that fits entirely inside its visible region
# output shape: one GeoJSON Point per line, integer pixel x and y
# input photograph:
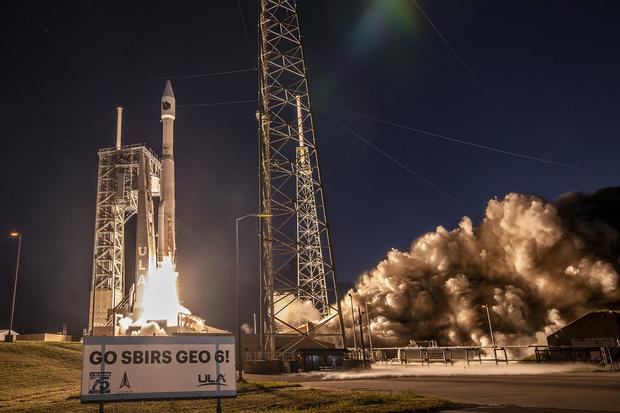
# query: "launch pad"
{"type": "Point", "coordinates": [133, 181]}
{"type": "Point", "coordinates": [300, 305]}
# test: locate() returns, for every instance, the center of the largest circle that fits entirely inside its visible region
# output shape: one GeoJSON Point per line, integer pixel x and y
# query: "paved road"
{"type": "Point", "coordinates": [533, 393]}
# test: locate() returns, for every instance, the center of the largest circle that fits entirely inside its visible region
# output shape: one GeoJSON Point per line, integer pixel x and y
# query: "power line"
{"type": "Point", "coordinates": [228, 72]}
{"type": "Point", "coordinates": [465, 66]}
{"type": "Point", "coordinates": [186, 228]}
{"type": "Point", "coordinates": [36, 19]}
{"type": "Point", "coordinates": [190, 234]}
{"type": "Point", "coordinates": [91, 128]}
{"type": "Point", "coordinates": [390, 157]}
{"type": "Point", "coordinates": [94, 11]}
{"type": "Point", "coordinates": [246, 33]}
{"type": "Point", "coordinates": [53, 170]}
{"type": "Point", "coordinates": [234, 102]}
{"type": "Point", "coordinates": [464, 142]}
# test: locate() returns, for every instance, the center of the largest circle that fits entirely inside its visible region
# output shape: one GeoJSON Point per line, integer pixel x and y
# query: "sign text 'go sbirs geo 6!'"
{"type": "Point", "coordinates": [154, 368]}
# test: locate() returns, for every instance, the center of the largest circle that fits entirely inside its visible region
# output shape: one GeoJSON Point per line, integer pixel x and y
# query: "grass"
{"type": "Point", "coordinates": [45, 377]}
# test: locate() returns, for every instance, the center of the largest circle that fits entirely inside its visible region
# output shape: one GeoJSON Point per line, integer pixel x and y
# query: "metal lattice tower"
{"type": "Point", "coordinates": [121, 193]}
{"type": "Point", "coordinates": [296, 253]}
{"type": "Point", "coordinates": [310, 267]}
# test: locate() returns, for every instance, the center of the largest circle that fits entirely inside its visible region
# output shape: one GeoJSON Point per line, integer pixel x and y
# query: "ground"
{"type": "Point", "coordinates": [45, 377]}
{"type": "Point", "coordinates": [548, 393]}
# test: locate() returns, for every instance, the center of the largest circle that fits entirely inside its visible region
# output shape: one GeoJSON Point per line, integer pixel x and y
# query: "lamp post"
{"type": "Point", "coordinates": [353, 320]}
{"type": "Point", "coordinates": [10, 337]}
{"type": "Point", "coordinates": [238, 327]}
{"type": "Point", "coordinates": [362, 336]}
{"type": "Point", "coordinates": [372, 357]}
{"type": "Point", "coordinates": [486, 307]}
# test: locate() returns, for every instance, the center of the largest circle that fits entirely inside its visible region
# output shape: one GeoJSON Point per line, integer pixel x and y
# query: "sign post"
{"type": "Point", "coordinates": [158, 368]}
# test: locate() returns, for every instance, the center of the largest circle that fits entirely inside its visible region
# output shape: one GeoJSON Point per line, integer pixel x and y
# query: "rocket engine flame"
{"type": "Point", "coordinates": [160, 300]}
{"type": "Point", "coordinates": [161, 296]}
{"type": "Point", "coordinates": [536, 264]}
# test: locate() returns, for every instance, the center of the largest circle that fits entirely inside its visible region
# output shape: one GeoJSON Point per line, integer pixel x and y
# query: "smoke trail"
{"type": "Point", "coordinates": [536, 264]}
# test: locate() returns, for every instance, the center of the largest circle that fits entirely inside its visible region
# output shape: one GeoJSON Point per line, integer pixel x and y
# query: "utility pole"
{"type": "Point", "coordinates": [362, 336]}
{"type": "Point", "coordinates": [237, 322]}
{"type": "Point", "coordinates": [353, 321]}
{"type": "Point", "coordinates": [485, 306]}
{"type": "Point", "coordinates": [372, 357]}
{"type": "Point", "coordinates": [11, 337]}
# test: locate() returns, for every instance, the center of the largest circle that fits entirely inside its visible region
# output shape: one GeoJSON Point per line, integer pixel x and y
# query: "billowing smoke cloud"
{"type": "Point", "coordinates": [293, 311]}
{"type": "Point", "coordinates": [538, 265]}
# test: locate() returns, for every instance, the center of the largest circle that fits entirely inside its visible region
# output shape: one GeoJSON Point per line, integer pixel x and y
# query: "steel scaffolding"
{"type": "Point", "coordinates": [123, 190]}
{"type": "Point", "coordinates": [296, 254]}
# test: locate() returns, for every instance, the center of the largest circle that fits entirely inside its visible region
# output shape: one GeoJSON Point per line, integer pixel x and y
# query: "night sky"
{"type": "Point", "coordinates": [538, 78]}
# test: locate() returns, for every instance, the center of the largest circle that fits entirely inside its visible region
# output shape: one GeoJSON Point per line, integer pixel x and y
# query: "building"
{"type": "Point", "coordinates": [592, 338]}
{"type": "Point", "coordinates": [594, 329]}
{"type": "Point", "coordinates": [4, 333]}
{"type": "Point", "coordinates": [307, 355]}
{"type": "Point", "coordinates": [44, 337]}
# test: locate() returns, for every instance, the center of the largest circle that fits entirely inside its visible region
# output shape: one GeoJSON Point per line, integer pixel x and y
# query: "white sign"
{"type": "Point", "coordinates": [158, 367]}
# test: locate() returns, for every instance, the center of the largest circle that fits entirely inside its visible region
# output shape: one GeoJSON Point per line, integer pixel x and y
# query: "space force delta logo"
{"type": "Point", "coordinates": [125, 386]}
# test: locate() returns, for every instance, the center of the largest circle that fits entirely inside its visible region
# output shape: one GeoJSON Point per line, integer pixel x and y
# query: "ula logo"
{"type": "Point", "coordinates": [205, 380]}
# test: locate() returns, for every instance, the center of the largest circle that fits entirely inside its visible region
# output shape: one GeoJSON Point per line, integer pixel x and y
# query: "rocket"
{"type": "Point", "coordinates": [166, 242]}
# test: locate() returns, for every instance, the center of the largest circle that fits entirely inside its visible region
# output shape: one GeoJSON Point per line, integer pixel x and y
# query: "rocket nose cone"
{"type": "Point", "coordinates": [168, 89]}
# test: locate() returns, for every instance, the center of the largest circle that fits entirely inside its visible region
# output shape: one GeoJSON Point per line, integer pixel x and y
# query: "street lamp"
{"type": "Point", "coordinates": [362, 336]}
{"type": "Point", "coordinates": [485, 306]}
{"type": "Point", "coordinates": [238, 328]}
{"type": "Point", "coordinates": [372, 357]}
{"type": "Point", "coordinates": [10, 337]}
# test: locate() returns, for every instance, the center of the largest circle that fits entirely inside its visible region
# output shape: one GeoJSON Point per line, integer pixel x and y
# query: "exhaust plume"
{"type": "Point", "coordinates": [161, 297]}
{"type": "Point", "coordinates": [161, 302]}
{"type": "Point", "coordinates": [536, 264]}
{"type": "Point", "coordinates": [293, 311]}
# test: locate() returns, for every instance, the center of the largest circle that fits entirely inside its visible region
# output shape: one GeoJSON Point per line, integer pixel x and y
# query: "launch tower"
{"type": "Point", "coordinates": [296, 253]}
{"type": "Point", "coordinates": [127, 181]}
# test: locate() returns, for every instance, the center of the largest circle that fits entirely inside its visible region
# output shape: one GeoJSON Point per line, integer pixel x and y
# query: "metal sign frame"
{"type": "Point", "coordinates": [113, 387]}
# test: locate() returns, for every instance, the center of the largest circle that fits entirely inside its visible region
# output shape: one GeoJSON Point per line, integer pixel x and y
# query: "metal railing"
{"type": "Point", "coordinates": [605, 357]}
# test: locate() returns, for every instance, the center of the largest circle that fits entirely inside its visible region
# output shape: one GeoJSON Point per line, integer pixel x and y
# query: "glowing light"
{"type": "Point", "coordinates": [382, 20]}
{"type": "Point", "coordinates": [161, 296]}
{"type": "Point", "coordinates": [14, 234]}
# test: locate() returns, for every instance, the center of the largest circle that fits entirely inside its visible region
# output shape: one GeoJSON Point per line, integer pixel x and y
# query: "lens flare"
{"type": "Point", "coordinates": [381, 20]}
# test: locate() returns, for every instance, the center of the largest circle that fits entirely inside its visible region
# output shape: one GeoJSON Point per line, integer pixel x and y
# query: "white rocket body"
{"type": "Point", "coordinates": [166, 242]}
